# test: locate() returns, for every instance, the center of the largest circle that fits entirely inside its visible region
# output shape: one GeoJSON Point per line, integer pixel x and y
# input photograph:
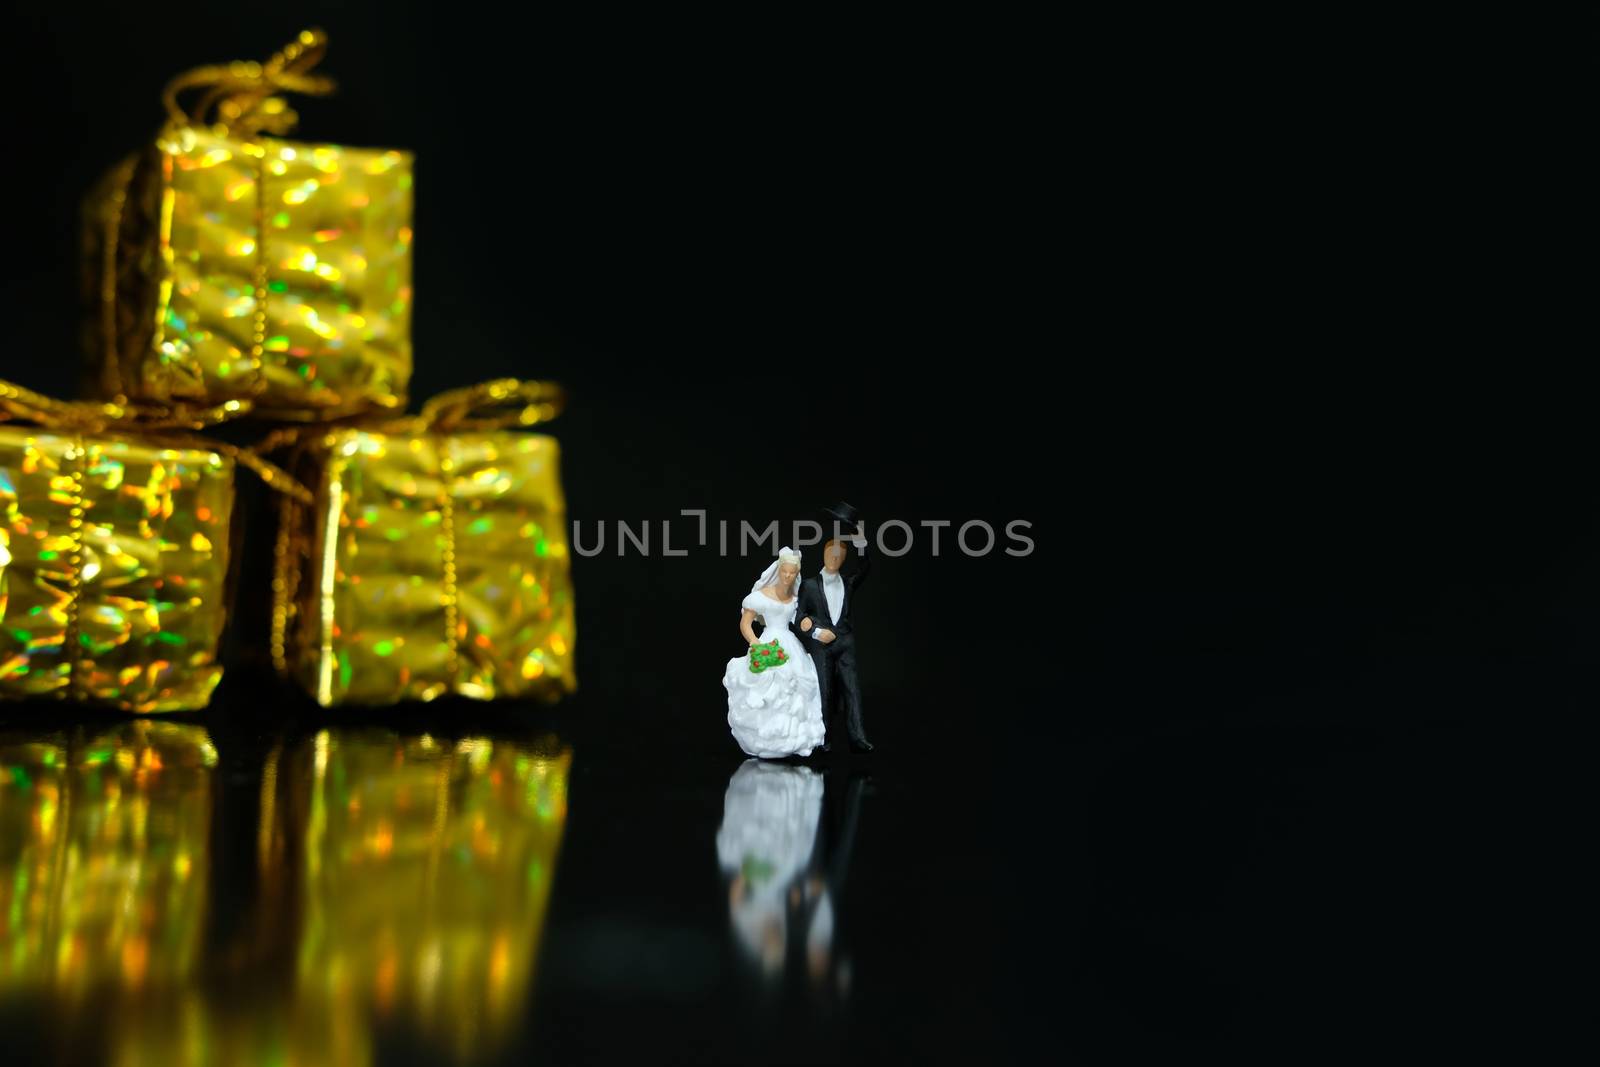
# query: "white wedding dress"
{"type": "Point", "coordinates": [778, 712]}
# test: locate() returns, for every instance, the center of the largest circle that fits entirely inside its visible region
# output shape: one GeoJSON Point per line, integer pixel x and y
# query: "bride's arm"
{"type": "Point", "coordinates": [745, 620]}
{"type": "Point", "coordinates": [806, 613]}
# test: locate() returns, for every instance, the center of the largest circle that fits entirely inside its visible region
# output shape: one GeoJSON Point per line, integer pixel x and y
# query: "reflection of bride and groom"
{"type": "Point", "coordinates": [784, 848]}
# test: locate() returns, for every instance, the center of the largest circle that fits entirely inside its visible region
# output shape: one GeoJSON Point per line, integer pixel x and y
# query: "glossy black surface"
{"type": "Point", "coordinates": [1274, 879]}
{"type": "Point", "coordinates": [881, 937]}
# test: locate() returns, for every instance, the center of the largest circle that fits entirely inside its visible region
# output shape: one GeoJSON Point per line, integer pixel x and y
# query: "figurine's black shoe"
{"type": "Point", "coordinates": [824, 747]}
{"type": "Point", "coordinates": [861, 744]}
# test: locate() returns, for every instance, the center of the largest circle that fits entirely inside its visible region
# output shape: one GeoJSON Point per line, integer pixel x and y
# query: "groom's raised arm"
{"type": "Point", "coordinates": [866, 565]}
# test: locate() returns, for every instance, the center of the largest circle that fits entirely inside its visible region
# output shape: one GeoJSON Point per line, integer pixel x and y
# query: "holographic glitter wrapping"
{"type": "Point", "coordinates": [221, 268]}
{"type": "Point", "coordinates": [113, 567]}
{"type": "Point", "coordinates": [432, 563]}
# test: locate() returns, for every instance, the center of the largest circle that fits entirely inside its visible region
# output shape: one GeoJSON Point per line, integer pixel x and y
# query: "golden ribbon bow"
{"type": "Point", "coordinates": [495, 405]}
{"type": "Point", "coordinates": [94, 416]}
{"type": "Point", "coordinates": [242, 92]}
{"type": "Point", "coordinates": [160, 424]}
{"type": "Point", "coordinates": [500, 404]}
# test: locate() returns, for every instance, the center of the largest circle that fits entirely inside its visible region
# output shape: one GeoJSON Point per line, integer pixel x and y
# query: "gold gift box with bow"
{"type": "Point", "coordinates": [434, 558]}
{"type": "Point", "coordinates": [226, 264]}
{"type": "Point", "coordinates": [115, 524]}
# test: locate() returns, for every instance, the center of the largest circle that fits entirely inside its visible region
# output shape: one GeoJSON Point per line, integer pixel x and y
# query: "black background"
{"type": "Point", "coordinates": [761, 301]}
{"type": "Point", "coordinates": [1230, 748]}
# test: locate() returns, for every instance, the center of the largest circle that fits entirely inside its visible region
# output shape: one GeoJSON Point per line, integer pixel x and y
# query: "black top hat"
{"type": "Point", "coordinates": [844, 513]}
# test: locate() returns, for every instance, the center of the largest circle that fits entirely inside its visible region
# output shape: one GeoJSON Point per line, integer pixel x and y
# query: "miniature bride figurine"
{"type": "Point", "coordinates": [774, 701]}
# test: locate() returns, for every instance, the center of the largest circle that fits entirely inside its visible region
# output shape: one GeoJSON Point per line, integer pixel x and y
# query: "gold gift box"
{"type": "Point", "coordinates": [113, 567]}
{"type": "Point", "coordinates": [433, 561]}
{"type": "Point", "coordinates": [226, 264]}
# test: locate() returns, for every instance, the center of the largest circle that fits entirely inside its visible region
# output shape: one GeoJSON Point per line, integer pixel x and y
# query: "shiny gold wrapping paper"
{"type": "Point", "coordinates": [225, 264]}
{"type": "Point", "coordinates": [113, 569]}
{"type": "Point", "coordinates": [431, 563]}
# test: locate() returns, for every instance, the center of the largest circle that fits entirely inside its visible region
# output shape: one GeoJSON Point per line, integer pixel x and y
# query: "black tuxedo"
{"type": "Point", "coordinates": [836, 661]}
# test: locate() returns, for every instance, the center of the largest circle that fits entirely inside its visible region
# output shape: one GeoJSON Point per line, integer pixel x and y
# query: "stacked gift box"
{"type": "Point", "coordinates": [235, 277]}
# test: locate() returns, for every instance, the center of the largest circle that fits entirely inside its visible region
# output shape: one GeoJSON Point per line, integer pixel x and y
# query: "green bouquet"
{"type": "Point", "coordinates": [766, 655]}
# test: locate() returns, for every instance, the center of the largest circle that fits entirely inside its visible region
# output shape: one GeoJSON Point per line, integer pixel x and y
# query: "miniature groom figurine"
{"type": "Point", "coordinates": [827, 602]}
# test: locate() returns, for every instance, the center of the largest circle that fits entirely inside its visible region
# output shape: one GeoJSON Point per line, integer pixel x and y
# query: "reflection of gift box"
{"type": "Point", "coordinates": [433, 561]}
{"type": "Point", "coordinates": [225, 264]}
{"type": "Point", "coordinates": [103, 872]}
{"type": "Point", "coordinates": [425, 875]}
{"type": "Point", "coordinates": [113, 563]}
